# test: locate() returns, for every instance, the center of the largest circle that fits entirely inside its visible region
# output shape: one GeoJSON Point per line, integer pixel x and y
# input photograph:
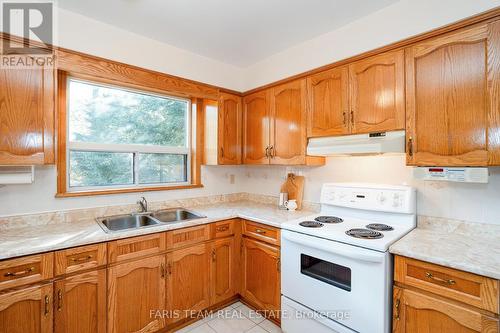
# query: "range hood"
{"type": "Point", "coordinates": [358, 144]}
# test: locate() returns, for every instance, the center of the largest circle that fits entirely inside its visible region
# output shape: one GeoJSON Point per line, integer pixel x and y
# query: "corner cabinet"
{"type": "Point", "coordinates": [27, 116]}
{"type": "Point", "coordinates": [229, 129]}
{"type": "Point", "coordinates": [453, 100]}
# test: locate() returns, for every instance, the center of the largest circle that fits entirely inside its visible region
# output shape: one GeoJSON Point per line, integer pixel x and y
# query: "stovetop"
{"type": "Point", "coordinates": [352, 230]}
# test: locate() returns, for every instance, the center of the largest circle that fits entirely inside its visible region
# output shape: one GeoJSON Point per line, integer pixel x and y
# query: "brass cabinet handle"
{"type": "Point", "coordinates": [162, 270]}
{"type": "Point", "coordinates": [396, 306]}
{"type": "Point", "coordinates": [213, 255]}
{"type": "Point", "coordinates": [278, 265]}
{"type": "Point", "coordinates": [81, 258]}
{"type": "Point", "coordinates": [260, 231]}
{"type": "Point", "coordinates": [221, 151]}
{"type": "Point", "coordinates": [267, 152]}
{"type": "Point", "coordinates": [344, 114]}
{"type": "Point", "coordinates": [20, 273]}
{"type": "Point", "coordinates": [410, 146]}
{"type": "Point", "coordinates": [59, 300]}
{"type": "Point", "coordinates": [272, 151]}
{"type": "Point", "coordinates": [169, 269]}
{"type": "Point", "coordinates": [352, 118]}
{"type": "Point", "coordinates": [446, 281]}
{"type": "Point", "coordinates": [222, 228]}
{"type": "Point", "coordinates": [47, 301]}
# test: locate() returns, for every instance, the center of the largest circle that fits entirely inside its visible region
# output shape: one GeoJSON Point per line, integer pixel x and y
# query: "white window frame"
{"type": "Point", "coordinates": [134, 149]}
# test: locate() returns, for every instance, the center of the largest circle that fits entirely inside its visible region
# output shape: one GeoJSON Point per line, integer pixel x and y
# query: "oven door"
{"type": "Point", "coordinates": [348, 284]}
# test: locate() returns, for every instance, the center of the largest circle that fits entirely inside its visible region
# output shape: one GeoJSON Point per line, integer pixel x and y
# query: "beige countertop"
{"type": "Point", "coordinates": [42, 237]}
{"type": "Point", "coordinates": [469, 247]}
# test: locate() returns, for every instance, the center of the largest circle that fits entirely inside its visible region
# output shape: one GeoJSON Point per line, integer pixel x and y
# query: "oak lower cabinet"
{"type": "Point", "coordinates": [430, 298]}
{"type": "Point", "coordinates": [28, 310]}
{"type": "Point", "coordinates": [136, 290]}
{"type": "Point", "coordinates": [261, 277]}
{"type": "Point", "coordinates": [415, 312]}
{"type": "Point", "coordinates": [452, 84]}
{"type": "Point", "coordinates": [223, 270]}
{"type": "Point", "coordinates": [188, 275]}
{"type": "Point", "coordinates": [80, 303]}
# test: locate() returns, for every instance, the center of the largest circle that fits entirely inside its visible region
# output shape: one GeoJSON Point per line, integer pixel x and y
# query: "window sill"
{"type": "Point", "coordinates": [125, 190]}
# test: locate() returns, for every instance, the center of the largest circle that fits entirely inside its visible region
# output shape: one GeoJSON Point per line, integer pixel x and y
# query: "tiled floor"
{"type": "Point", "coordinates": [236, 318]}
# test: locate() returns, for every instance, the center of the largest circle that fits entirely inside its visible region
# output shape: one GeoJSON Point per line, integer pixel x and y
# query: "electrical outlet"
{"type": "Point", "coordinates": [231, 179]}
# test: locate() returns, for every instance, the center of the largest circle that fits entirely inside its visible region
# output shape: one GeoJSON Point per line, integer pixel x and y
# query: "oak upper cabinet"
{"type": "Point", "coordinates": [377, 93]}
{"type": "Point", "coordinates": [26, 116]}
{"type": "Point", "coordinates": [328, 103]}
{"type": "Point", "coordinates": [229, 129]}
{"type": "Point", "coordinates": [28, 310]}
{"type": "Point", "coordinates": [261, 279]}
{"type": "Point", "coordinates": [134, 290]}
{"type": "Point", "coordinates": [188, 274]}
{"type": "Point", "coordinates": [223, 270]}
{"type": "Point", "coordinates": [80, 303]}
{"type": "Point", "coordinates": [288, 123]}
{"type": "Point", "coordinates": [452, 85]}
{"type": "Point", "coordinates": [415, 312]}
{"type": "Point", "coordinates": [256, 114]}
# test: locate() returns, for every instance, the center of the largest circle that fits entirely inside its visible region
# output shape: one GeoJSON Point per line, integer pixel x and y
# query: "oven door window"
{"type": "Point", "coordinates": [336, 275]}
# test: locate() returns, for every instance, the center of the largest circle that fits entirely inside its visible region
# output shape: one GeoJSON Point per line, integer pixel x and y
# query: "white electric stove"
{"type": "Point", "coordinates": [336, 268]}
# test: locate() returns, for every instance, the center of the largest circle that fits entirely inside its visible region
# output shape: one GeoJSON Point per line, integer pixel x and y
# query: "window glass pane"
{"type": "Point", "coordinates": [100, 168]}
{"type": "Point", "coordinates": [162, 168]}
{"type": "Point", "coordinates": [103, 114]}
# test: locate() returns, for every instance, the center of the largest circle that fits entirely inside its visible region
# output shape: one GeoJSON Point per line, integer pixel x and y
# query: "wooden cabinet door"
{"type": "Point", "coordinates": [134, 290]}
{"type": "Point", "coordinates": [27, 310]}
{"type": "Point", "coordinates": [80, 303]}
{"type": "Point", "coordinates": [261, 279]}
{"type": "Point", "coordinates": [188, 280]}
{"type": "Point", "coordinates": [26, 116]}
{"type": "Point", "coordinates": [377, 93]}
{"type": "Point", "coordinates": [328, 103]}
{"type": "Point", "coordinates": [223, 272]}
{"type": "Point", "coordinates": [229, 128]}
{"type": "Point", "coordinates": [447, 99]}
{"type": "Point", "coordinates": [256, 128]}
{"type": "Point", "coordinates": [288, 123]}
{"type": "Point", "coordinates": [414, 312]}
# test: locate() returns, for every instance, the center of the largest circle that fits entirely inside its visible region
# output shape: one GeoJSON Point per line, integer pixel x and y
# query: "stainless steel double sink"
{"type": "Point", "coordinates": [147, 219]}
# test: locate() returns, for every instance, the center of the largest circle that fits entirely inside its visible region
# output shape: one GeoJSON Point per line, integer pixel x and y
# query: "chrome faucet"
{"type": "Point", "coordinates": [144, 204]}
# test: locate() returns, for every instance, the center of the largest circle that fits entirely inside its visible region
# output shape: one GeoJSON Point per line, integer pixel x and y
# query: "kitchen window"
{"type": "Point", "coordinates": [120, 138]}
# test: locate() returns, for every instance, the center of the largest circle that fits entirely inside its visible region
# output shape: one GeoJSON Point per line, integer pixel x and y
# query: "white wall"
{"type": "Point", "coordinates": [80, 33]}
{"type": "Point", "coordinates": [470, 202]}
{"type": "Point", "coordinates": [401, 20]}
{"type": "Point", "coordinates": [39, 197]}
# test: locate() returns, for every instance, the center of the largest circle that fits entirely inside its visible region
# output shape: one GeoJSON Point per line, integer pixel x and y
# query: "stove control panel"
{"type": "Point", "coordinates": [387, 198]}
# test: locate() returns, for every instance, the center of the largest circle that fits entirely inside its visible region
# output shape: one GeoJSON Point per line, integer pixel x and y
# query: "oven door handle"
{"type": "Point", "coordinates": [333, 247]}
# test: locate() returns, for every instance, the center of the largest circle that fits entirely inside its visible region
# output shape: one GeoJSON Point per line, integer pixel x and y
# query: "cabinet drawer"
{"type": "Point", "coordinates": [261, 232]}
{"type": "Point", "coordinates": [222, 228]}
{"type": "Point", "coordinates": [80, 258]}
{"type": "Point", "coordinates": [187, 236]}
{"type": "Point", "coordinates": [130, 248]}
{"type": "Point", "coordinates": [468, 288]}
{"type": "Point", "coordinates": [26, 270]}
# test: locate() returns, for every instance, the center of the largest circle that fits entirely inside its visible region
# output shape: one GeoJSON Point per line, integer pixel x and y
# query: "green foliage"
{"type": "Point", "coordinates": [113, 116]}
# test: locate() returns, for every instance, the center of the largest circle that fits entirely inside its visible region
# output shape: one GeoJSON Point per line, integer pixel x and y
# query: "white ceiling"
{"type": "Point", "coordinates": [237, 32]}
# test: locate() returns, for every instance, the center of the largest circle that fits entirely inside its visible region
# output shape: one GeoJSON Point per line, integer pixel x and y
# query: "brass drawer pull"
{"type": "Point", "coordinates": [432, 277]}
{"type": "Point", "coordinates": [222, 228]}
{"type": "Point", "coordinates": [59, 300]}
{"type": "Point", "coordinates": [81, 258]}
{"type": "Point", "coordinates": [20, 273]}
{"type": "Point", "coordinates": [213, 255]}
{"type": "Point", "coordinates": [162, 269]}
{"type": "Point", "coordinates": [396, 315]}
{"type": "Point", "coordinates": [46, 310]}
{"type": "Point", "coordinates": [260, 231]}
